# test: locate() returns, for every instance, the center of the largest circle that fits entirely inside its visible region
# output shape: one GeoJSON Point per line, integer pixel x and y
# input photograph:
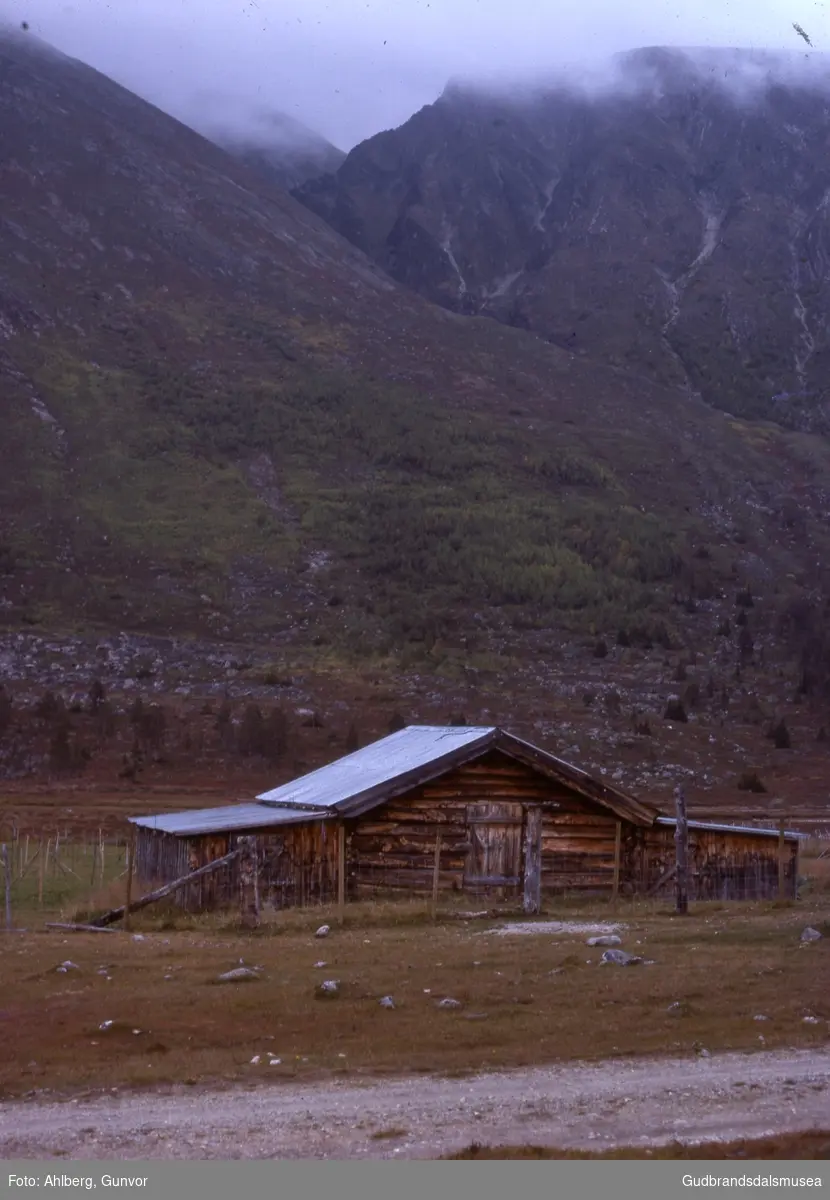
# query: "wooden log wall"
{"type": "Point", "coordinates": [392, 847]}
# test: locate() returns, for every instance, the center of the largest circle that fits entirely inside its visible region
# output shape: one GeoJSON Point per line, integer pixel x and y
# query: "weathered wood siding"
{"type": "Point", "coordinates": [297, 865]}
{"type": "Point", "coordinates": [722, 865]}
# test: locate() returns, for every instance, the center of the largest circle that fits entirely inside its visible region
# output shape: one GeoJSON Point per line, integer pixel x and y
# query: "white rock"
{"type": "Point", "coordinates": [387, 1002]}
{"type": "Point", "coordinates": [810, 935]}
{"type": "Point", "coordinates": [323, 931]}
{"type": "Point", "coordinates": [606, 939]}
{"type": "Point", "coordinates": [448, 1002]}
{"type": "Point", "coordinates": [239, 975]}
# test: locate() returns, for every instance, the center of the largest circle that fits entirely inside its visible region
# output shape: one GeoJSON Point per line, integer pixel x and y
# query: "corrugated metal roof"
{"type": "Point", "coordinates": [229, 818]}
{"type": "Point", "coordinates": [392, 760]}
{"type": "Point", "coordinates": [715, 827]}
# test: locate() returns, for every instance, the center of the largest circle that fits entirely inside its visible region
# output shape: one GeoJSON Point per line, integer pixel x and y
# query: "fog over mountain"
{"type": "Point", "coordinates": [350, 68]}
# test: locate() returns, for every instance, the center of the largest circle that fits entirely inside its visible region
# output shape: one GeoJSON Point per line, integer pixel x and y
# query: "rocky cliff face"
{"type": "Point", "coordinates": [676, 223]}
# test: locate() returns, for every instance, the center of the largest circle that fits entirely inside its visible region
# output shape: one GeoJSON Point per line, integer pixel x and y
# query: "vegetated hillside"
{"type": "Point", "coordinates": [281, 149]}
{"type": "Point", "coordinates": [675, 221]}
{"type": "Point", "coordinates": [220, 418]}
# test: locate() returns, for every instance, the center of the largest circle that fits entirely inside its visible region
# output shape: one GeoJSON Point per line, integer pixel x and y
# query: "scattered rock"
{"type": "Point", "coordinates": [620, 958]}
{"type": "Point", "coordinates": [680, 1008]}
{"type": "Point", "coordinates": [448, 1002]}
{"type": "Point", "coordinates": [239, 975]}
{"type": "Point", "coordinates": [105, 1025]}
{"type": "Point", "coordinates": [138, 937]}
{"type": "Point", "coordinates": [810, 1020]}
{"type": "Point", "coordinates": [329, 988]}
{"type": "Point", "coordinates": [606, 939]}
{"type": "Point", "coordinates": [387, 1002]}
{"type": "Point", "coordinates": [760, 1017]}
{"type": "Point", "coordinates": [810, 935]}
{"type": "Point", "coordinates": [255, 1060]}
{"type": "Point", "coordinates": [323, 931]}
{"type": "Point", "coordinates": [320, 964]}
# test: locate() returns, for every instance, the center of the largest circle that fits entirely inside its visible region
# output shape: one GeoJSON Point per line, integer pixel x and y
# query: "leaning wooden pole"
{"type": "Point", "coordinates": [115, 914]}
{"type": "Point", "coordinates": [681, 843]}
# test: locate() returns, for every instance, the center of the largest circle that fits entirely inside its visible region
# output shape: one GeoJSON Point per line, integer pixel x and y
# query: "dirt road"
{"type": "Point", "coordinates": [637, 1102]}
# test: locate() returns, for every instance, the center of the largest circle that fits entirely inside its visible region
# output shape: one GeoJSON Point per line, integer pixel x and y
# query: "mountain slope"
{"type": "Point", "coordinates": [219, 416]}
{"type": "Point", "coordinates": [677, 222]}
{"type": "Point", "coordinates": [282, 150]}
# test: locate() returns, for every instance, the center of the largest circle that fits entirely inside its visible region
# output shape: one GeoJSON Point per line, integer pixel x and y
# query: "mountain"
{"type": "Point", "coordinates": [221, 418]}
{"type": "Point", "coordinates": [673, 218]}
{"type": "Point", "coordinates": [281, 149]}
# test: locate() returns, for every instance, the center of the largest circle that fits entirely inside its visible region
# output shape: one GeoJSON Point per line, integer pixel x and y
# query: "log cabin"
{"type": "Point", "coordinates": [471, 810]}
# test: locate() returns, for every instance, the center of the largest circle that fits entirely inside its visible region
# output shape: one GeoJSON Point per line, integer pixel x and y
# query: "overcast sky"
{"type": "Point", "coordinates": [349, 68]}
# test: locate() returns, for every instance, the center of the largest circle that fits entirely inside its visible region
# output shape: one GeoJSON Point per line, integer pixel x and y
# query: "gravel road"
{"type": "Point", "coordinates": [623, 1102]}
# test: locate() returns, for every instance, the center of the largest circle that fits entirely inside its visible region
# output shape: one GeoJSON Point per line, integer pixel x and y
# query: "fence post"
{"type": "Point", "coordinates": [130, 868]}
{"type": "Point", "coordinates": [782, 862]}
{"type": "Point", "coordinates": [436, 871]}
{"type": "Point", "coordinates": [532, 899]}
{"type": "Point", "coordinates": [249, 882]}
{"type": "Point", "coordinates": [341, 872]}
{"type": "Point", "coordinates": [681, 842]}
{"type": "Point", "coordinates": [615, 887]}
{"type": "Point", "coordinates": [7, 870]}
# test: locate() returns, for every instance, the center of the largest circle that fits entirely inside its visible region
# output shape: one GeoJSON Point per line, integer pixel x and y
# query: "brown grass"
{"type": "Point", "coordinates": [727, 964]}
{"type": "Point", "coordinates": [791, 1146]}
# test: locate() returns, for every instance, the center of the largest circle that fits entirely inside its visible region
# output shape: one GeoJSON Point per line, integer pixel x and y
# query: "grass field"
{"type": "Point", "coordinates": [791, 1146]}
{"type": "Point", "coordinates": [523, 999]}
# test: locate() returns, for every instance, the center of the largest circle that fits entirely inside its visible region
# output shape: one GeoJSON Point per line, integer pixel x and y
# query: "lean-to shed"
{"type": "Point", "coordinates": [500, 816]}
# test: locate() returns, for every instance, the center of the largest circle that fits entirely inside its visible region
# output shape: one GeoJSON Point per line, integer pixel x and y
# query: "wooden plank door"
{"type": "Point", "coordinates": [494, 857]}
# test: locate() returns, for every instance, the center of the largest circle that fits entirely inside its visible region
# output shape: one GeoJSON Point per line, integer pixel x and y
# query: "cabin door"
{"type": "Point", "coordinates": [494, 854]}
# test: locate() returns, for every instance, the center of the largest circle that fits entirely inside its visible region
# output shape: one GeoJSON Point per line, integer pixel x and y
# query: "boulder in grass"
{"type": "Point", "coordinates": [323, 931]}
{"type": "Point", "coordinates": [605, 939]}
{"type": "Point", "coordinates": [239, 975]}
{"type": "Point", "coordinates": [810, 935]}
{"type": "Point", "coordinates": [620, 958]}
{"type": "Point", "coordinates": [329, 988]}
